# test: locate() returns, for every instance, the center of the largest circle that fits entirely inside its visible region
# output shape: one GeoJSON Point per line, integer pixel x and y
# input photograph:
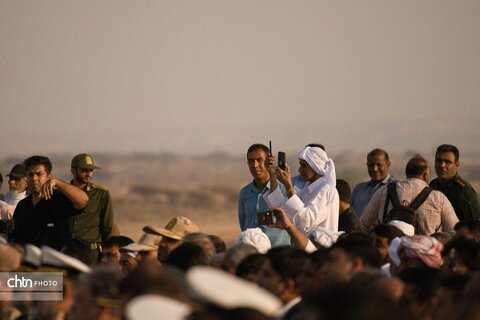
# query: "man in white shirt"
{"type": "Point", "coordinates": [315, 205]}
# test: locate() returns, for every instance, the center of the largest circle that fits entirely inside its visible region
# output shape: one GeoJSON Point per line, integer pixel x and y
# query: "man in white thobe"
{"type": "Point", "coordinates": [315, 205]}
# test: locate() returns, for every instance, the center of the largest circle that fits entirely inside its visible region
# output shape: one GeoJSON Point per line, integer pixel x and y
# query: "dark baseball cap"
{"type": "Point", "coordinates": [83, 161]}
{"type": "Point", "coordinates": [18, 171]}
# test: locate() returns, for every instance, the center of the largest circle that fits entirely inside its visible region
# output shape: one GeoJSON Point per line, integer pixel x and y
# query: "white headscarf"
{"type": "Point", "coordinates": [318, 160]}
{"type": "Point", "coordinates": [255, 237]}
{"type": "Point", "coordinates": [426, 248]}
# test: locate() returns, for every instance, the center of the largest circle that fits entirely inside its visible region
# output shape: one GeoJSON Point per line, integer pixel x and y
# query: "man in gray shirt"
{"type": "Point", "coordinates": [378, 165]}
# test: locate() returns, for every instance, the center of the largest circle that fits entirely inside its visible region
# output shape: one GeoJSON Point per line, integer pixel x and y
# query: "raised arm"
{"type": "Point", "coordinates": [284, 222]}
{"type": "Point", "coordinates": [76, 195]}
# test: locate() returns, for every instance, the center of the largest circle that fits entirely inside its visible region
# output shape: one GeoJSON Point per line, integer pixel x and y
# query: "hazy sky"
{"type": "Point", "coordinates": [195, 76]}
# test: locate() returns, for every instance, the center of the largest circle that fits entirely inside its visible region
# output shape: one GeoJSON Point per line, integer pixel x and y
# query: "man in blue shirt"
{"type": "Point", "coordinates": [250, 199]}
{"type": "Point", "coordinates": [378, 165]}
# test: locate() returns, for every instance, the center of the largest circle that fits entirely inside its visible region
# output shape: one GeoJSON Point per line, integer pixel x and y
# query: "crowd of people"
{"type": "Point", "coordinates": [309, 247]}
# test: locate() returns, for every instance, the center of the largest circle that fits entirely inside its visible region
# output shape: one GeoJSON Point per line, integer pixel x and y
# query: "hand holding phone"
{"type": "Point", "coordinates": [282, 160]}
{"type": "Point", "coordinates": [266, 218]}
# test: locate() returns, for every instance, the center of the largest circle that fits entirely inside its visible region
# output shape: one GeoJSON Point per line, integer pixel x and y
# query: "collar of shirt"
{"type": "Point", "coordinates": [253, 187]}
{"type": "Point", "coordinates": [417, 181]}
{"type": "Point", "coordinates": [87, 188]}
{"type": "Point", "coordinates": [450, 182]}
{"type": "Point", "coordinates": [316, 184]}
{"type": "Point", "coordinates": [16, 195]}
{"type": "Point", "coordinates": [387, 179]}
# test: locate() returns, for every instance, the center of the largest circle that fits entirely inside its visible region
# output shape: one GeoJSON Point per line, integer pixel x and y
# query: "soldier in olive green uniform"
{"type": "Point", "coordinates": [94, 225]}
{"type": "Point", "coordinates": [461, 194]}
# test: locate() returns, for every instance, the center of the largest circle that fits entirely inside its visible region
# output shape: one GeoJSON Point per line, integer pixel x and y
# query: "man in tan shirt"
{"type": "Point", "coordinates": [436, 214]}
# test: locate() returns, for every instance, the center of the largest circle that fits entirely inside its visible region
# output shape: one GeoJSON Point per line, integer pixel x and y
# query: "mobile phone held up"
{"type": "Point", "coordinates": [266, 218]}
{"type": "Point", "coordinates": [282, 160]}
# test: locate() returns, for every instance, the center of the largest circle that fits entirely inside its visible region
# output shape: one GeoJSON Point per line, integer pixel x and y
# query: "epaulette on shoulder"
{"type": "Point", "coordinates": [460, 182]}
{"type": "Point", "coordinates": [97, 186]}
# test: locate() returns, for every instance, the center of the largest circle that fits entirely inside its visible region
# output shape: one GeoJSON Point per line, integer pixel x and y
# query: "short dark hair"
{"type": "Point", "coordinates": [467, 250]}
{"type": "Point", "coordinates": [187, 255]}
{"type": "Point", "coordinates": [472, 225]}
{"type": "Point", "coordinates": [377, 152]}
{"type": "Point", "coordinates": [316, 145]}
{"type": "Point", "coordinates": [257, 146]}
{"type": "Point", "coordinates": [218, 242]}
{"type": "Point", "coordinates": [416, 167]}
{"type": "Point", "coordinates": [251, 265]}
{"type": "Point", "coordinates": [344, 190]}
{"type": "Point", "coordinates": [387, 231]}
{"type": "Point", "coordinates": [119, 241]}
{"type": "Point", "coordinates": [38, 160]}
{"type": "Point", "coordinates": [359, 244]}
{"type": "Point", "coordinates": [287, 261]}
{"type": "Point", "coordinates": [448, 148]}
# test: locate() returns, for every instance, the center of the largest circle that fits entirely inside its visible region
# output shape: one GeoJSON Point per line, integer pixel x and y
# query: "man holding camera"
{"type": "Point", "coordinates": [251, 200]}
{"type": "Point", "coordinates": [315, 205]}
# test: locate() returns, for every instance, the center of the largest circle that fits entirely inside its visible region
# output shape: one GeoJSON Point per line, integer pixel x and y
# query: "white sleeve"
{"type": "Point", "coordinates": [306, 216]}
{"type": "Point", "coordinates": [275, 198]}
{"type": "Point", "coordinates": [310, 247]}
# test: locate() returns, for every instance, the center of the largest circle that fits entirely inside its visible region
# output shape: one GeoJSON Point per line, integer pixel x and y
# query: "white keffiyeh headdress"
{"type": "Point", "coordinates": [318, 160]}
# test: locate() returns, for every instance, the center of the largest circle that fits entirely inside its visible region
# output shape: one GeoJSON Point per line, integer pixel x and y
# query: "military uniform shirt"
{"type": "Point", "coordinates": [461, 194]}
{"type": "Point", "coordinates": [95, 223]}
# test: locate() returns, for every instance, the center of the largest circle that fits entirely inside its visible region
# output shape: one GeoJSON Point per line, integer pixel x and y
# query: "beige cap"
{"type": "Point", "coordinates": [147, 242]}
{"type": "Point", "coordinates": [177, 228]}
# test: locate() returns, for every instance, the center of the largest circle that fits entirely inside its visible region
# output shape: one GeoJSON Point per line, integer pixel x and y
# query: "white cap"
{"type": "Point", "coordinates": [255, 237]}
{"type": "Point", "coordinates": [33, 255]}
{"type": "Point", "coordinates": [152, 307]}
{"type": "Point", "coordinates": [406, 228]}
{"type": "Point", "coordinates": [54, 258]}
{"type": "Point", "coordinates": [229, 291]}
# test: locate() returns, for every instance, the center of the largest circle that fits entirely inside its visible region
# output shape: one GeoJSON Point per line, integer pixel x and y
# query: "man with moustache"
{"type": "Point", "coordinates": [41, 218]}
{"type": "Point", "coordinates": [460, 192]}
{"type": "Point", "coordinates": [378, 165]}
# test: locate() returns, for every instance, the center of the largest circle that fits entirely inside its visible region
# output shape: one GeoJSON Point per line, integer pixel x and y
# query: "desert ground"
{"type": "Point", "coordinates": [150, 189]}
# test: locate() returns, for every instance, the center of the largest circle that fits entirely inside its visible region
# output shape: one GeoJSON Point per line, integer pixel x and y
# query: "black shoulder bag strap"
{"type": "Point", "coordinates": [391, 196]}
{"type": "Point", "coordinates": [422, 196]}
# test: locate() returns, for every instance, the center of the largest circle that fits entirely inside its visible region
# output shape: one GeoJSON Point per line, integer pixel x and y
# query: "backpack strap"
{"type": "Point", "coordinates": [420, 199]}
{"type": "Point", "coordinates": [391, 196]}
